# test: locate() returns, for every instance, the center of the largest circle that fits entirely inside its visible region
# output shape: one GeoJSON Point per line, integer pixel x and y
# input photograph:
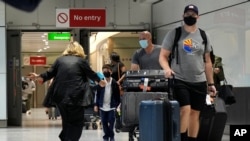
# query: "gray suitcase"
{"type": "Point", "coordinates": [53, 113]}
{"type": "Point", "coordinates": [130, 105]}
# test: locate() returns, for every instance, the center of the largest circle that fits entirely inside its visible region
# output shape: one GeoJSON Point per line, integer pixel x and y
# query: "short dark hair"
{"type": "Point", "coordinates": [115, 57]}
{"type": "Point", "coordinates": [106, 66]}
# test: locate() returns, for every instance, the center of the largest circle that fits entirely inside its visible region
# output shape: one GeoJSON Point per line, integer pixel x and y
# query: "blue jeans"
{"type": "Point", "coordinates": [108, 120]}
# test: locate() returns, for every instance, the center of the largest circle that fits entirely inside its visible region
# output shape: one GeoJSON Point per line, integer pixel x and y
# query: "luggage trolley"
{"type": "Point", "coordinates": [91, 118]}
{"type": "Point", "coordinates": [140, 85]}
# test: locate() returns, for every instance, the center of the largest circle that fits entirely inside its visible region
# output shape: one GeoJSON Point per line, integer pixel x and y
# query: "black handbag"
{"type": "Point", "coordinates": [226, 93]}
{"type": "Point", "coordinates": [88, 97]}
{"type": "Point", "coordinates": [48, 100]}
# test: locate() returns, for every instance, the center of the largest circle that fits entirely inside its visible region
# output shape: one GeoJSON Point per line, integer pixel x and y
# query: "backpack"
{"type": "Point", "coordinates": [175, 44]}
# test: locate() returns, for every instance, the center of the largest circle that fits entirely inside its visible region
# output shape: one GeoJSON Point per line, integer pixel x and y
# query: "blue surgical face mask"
{"type": "Point", "coordinates": [143, 43]}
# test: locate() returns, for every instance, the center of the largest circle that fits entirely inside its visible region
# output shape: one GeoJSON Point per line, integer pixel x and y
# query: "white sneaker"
{"type": "Point", "coordinates": [28, 112]}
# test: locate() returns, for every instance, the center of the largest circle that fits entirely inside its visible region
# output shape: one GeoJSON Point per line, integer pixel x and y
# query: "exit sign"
{"type": "Point", "coordinates": [59, 36]}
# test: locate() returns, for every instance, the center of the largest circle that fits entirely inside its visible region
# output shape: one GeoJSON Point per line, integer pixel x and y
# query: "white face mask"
{"type": "Point", "coordinates": [143, 43]}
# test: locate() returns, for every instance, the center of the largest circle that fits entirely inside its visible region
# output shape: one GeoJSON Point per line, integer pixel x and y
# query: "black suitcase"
{"type": "Point", "coordinates": [212, 121]}
{"type": "Point", "coordinates": [159, 120]}
{"type": "Point", "coordinates": [130, 105]}
{"type": "Point", "coordinates": [145, 80]}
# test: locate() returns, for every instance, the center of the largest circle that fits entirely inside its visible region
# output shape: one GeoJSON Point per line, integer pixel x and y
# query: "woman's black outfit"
{"type": "Point", "coordinates": [115, 74]}
{"type": "Point", "coordinates": [70, 75]}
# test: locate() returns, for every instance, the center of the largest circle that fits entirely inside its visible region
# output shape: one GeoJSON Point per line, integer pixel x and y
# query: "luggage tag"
{"type": "Point", "coordinates": [145, 85]}
{"type": "Point", "coordinates": [208, 100]}
{"type": "Point", "coordinates": [211, 100]}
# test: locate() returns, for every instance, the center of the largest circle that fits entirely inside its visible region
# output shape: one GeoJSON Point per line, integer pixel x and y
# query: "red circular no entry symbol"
{"type": "Point", "coordinates": [62, 18]}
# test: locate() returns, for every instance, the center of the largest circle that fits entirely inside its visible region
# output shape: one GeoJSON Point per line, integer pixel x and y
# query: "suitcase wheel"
{"type": "Point", "coordinates": [86, 126]}
{"type": "Point", "coordinates": [94, 126]}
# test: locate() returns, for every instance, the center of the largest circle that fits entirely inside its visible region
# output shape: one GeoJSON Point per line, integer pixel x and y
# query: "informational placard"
{"type": "Point", "coordinates": [80, 17]}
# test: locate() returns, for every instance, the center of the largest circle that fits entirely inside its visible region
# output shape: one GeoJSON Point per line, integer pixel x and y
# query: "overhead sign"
{"type": "Point", "coordinates": [59, 36]}
{"type": "Point", "coordinates": [80, 17]}
{"type": "Point", "coordinates": [37, 60]}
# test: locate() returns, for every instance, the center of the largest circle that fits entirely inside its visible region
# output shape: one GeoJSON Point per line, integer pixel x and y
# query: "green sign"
{"type": "Point", "coordinates": [59, 36]}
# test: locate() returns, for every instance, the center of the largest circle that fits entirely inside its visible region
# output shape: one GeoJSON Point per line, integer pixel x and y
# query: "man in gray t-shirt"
{"type": "Point", "coordinates": [190, 66]}
{"type": "Point", "coordinates": [147, 57]}
{"type": "Point", "coordinates": [193, 72]}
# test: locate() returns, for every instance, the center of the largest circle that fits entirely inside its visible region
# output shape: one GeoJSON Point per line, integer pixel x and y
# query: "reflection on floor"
{"type": "Point", "coordinates": [37, 127]}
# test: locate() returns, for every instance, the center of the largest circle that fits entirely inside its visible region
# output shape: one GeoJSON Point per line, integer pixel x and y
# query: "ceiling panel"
{"type": "Point", "coordinates": [36, 42]}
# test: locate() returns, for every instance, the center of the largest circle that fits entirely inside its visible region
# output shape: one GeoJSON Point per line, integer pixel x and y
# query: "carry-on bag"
{"type": "Point", "coordinates": [154, 80]}
{"type": "Point", "coordinates": [212, 121]}
{"type": "Point", "coordinates": [159, 120]}
{"type": "Point", "coordinates": [130, 105]}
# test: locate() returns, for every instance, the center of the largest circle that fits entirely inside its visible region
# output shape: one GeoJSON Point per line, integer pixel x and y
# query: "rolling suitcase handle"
{"type": "Point", "coordinates": [171, 87]}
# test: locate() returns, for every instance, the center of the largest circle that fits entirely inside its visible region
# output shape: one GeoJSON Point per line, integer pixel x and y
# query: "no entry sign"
{"type": "Point", "coordinates": [37, 60]}
{"type": "Point", "coordinates": [80, 17]}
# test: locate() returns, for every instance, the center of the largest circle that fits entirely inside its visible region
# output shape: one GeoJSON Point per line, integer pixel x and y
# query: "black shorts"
{"type": "Point", "coordinates": [193, 94]}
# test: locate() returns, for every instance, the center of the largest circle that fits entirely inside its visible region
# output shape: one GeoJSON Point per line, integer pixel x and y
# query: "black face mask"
{"type": "Point", "coordinates": [106, 74]}
{"type": "Point", "coordinates": [190, 20]}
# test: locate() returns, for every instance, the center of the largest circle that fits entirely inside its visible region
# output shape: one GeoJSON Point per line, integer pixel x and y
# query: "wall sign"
{"type": "Point", "coordinates": [80, 17]}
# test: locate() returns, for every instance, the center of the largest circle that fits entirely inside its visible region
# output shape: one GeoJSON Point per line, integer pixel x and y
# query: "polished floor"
{"type": "Point", "coordinates": [37, 127]}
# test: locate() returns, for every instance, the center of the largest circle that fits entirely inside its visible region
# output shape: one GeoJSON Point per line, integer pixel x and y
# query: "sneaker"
{"type": "Point", "coordinates": [28, 112]}
{"type": "Point", "coordinates": [112, 139]}
{"type": "Point", "coordinates": [117, 130]}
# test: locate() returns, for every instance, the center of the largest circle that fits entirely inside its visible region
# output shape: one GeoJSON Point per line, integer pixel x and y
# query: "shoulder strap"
{"type": "Point", "coordinates": [204, 38]}
{"type": "Point", "coordinates": [176, 39]}
{"type": "Point", "coordinates": [118, 69]}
